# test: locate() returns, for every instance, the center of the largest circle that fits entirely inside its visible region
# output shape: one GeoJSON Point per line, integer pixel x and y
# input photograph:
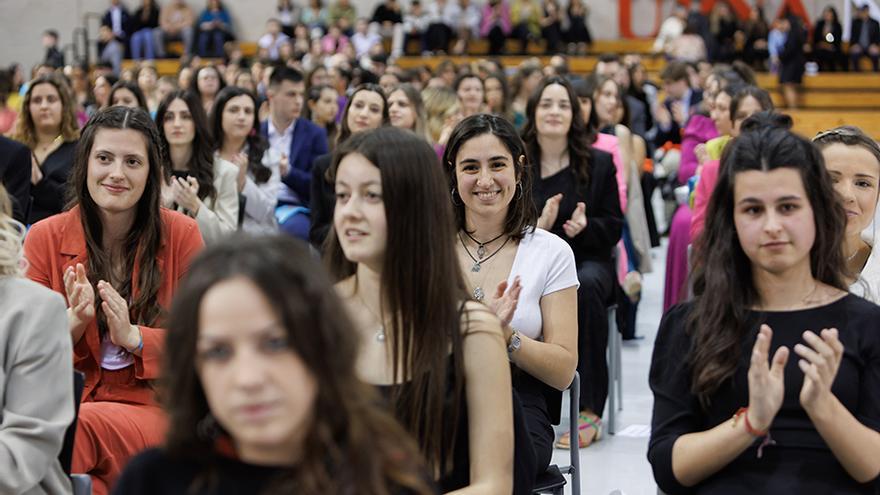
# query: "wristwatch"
{"type": "Point", "coordinates": [514, 343]}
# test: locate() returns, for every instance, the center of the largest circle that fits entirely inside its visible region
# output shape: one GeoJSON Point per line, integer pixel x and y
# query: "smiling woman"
{"type": "Point", "coordinates": [117, 258]}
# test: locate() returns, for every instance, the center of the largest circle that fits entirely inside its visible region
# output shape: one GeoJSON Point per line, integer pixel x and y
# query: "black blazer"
{"type": "Point", "coordinates": [50, 194]}
{"type": "Point", "coordinates": [15, 175]}
{"type": "Point", "coordinates": [604, 215]}
{"type": "Point", "coordinates": [873, 31]}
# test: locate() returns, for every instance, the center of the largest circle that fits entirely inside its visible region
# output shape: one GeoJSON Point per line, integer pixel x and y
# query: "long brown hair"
{"type": "Point", "coordinates": [352, 446]}
{"type": "Point", "coordinates": [422, 284]}
{"type": "Point", "coordinates": [26, 130]}
{"type": "Point", "coordinates": [201, 162]}
{"type": "Point", "coordinates": [721, 269]}
{"type": "Point", "coordinates": [344, 128]}
{"type": "Point", "coordinates": [142, 243]}
{"type": "Point", "coordinates": [580, 137]}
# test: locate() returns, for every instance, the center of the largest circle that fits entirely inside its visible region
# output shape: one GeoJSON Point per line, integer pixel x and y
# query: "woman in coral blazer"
{"type": "Point", "coordinates": [117, 258]}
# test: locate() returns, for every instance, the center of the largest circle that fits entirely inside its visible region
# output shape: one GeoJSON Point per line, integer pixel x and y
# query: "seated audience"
{"type": "Point", "coordinates": [864, 39]}
{"type": "Point", "coordinates": [15, 177]}
{"type": "Point", "coordinates": [208, 82]}
{"type": "Point", "coordinates": [437, 356]}
{"type": "Point", "coordinates": [256, 321]}
{"type": "Point", "coordinates": [47, 126]}
{"type": "Point", "coordinates": [215, 27]}
{"type": "Point", "coordinates": [36, 379]}
{"type": "Point", "coordinates": [146, 34]}
{"type": "Point", "coordinates": [828, 42]}
{"type": "Point", "coordinates": [127, 94]}
{"type": "Point", "coordinates": [197, 183]}
{"type": "Point", "coordinates": [407, 111]}
{"type": "Point", "coordinates": [322, 105]}
{"type": "Point", "coordinates": [117, 257]}
{"type": "Point", "coordinates": [496, 25]}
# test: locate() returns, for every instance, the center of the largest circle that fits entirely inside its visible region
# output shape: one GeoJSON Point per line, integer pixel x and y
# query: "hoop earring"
{"type": "Point", "coordinates": [452, 193]}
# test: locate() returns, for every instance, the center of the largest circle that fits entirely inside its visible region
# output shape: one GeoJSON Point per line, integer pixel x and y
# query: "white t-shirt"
{"type": "Point", "coordinates": [545, 264]}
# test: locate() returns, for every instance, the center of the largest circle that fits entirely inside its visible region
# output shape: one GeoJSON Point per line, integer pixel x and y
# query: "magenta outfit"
{"type": "Point", "coordinates": [699, 129]}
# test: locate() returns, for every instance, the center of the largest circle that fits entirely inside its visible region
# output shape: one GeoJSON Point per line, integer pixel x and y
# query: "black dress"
{"type": "Point", "coordinates": [801, 461]}
{"type": "Point", "coordinates": [154, 472]}
{"type": "Point", "coordinates": [792, 58]}
{"type": "Point", "coordinates": [50, 194]}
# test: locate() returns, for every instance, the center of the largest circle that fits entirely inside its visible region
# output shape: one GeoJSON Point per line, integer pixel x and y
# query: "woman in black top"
{"type": "Point", "coordinates": [575, 188]}
{"type": "Point", "coordinates": [828, 41]}
{"type": "Point", "coordinates": [47, 126]}
{"type": "Point", "coordinates": [146, 31]}
{"type": "Point", "coordinates": [792, 59]}
{"type": "Point", "coordinates": [767, 382]}
{"type": "Point", "coordinates": [261, 388]}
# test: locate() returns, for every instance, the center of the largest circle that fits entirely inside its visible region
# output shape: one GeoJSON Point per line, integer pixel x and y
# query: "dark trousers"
{"type": "Point", "coordinates": [856, 53]}
{"type": "Point", "coordinates": [215, 37]}
{"type": "Point", "coordinates": [522, 33]}
{"type": "Point", "coordinates": [437, 37]}
{"type": "Point", "coordinates": [496, 41]}
{"type": "Point", "coordinates": [523, 449]}
{"type": "Point", "coordinates": [553, 37]}
{"type": "Point", "coordinates": [594, 294]}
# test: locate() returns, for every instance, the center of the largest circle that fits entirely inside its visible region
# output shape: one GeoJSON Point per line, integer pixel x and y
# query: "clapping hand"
{"type": "Point", "coordinates": [122, 332]}
{"type": "Point", "coordinates": [578, 221]}
{"type": "Point", "coordinates": [241, 160]}
{"type": "Point", "coordinates": [820, 360]}
{"type": "Point", "coordinates": [80, 298]}
{"type": "Point", "coordinates": [505, 301]}
{"type": "Point", "coordinates": [549, 212]}
{"type": "Point", "coordinates": [186, 193]}
{"type": "Point", "coordinates": [766, 381]}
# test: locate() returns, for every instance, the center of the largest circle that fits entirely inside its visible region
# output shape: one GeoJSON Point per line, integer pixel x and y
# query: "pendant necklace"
{"type": "Point", "coordinates": [380, 333]}
{"type": "Point", "coordinates": [478, 290]}
{"type": "Point", "coordinates": [481, 246]}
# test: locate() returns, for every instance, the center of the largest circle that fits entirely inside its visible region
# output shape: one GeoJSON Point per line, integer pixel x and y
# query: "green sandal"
{"type": "Point", "coordinates": [584, 423]}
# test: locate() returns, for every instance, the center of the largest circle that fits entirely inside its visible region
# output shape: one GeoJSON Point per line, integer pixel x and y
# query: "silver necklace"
{"type": "Point", "coordinates": [380, 333]}
{"type": "Point", "coordinates": [478, 293]}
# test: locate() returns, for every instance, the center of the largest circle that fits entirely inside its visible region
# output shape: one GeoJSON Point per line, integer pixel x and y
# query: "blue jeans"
{"type": "Point", "coordinates": [215, 36]}
{"type": "Point", "coordinates": [143, 45]}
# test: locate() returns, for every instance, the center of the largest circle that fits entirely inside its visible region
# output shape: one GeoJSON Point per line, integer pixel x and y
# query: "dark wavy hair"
{"type": "Point", "coordinates": [422, 285]}
{"type": "Point", "coordinates": [201, 162]}
{"type": "Point", "coordinates": [580, 137]}
{"type": "Point", "coordinates": [131, 86]}
{"type": "Point", "coordinates": [351, 434]}
{"type": "Point", "coordinates": [740, 93]}
{"type": "Point", "coordinates": [256, 144]}
{"type": "Point", "coordinates": [142, 242]}
{"type": "Point", "coordinates": [521, 212]}
{"type": "Point", "coordinates": [345, 130]}
{"type": "Point", "coordinates": [722, 277]}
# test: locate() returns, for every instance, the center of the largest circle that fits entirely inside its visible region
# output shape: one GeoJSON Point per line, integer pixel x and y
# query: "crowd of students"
{"type": "Point", "coordinates": [465, 242]}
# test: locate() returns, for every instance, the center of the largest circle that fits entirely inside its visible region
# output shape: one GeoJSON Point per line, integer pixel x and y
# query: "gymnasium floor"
{"type": "Point", "coordinates": [618, 462]}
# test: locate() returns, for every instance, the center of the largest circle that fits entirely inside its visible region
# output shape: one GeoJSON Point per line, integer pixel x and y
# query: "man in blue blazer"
{"type": "Point", "coordinates": [297, 140]}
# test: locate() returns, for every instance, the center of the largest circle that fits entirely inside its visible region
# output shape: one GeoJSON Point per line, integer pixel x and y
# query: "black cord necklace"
{"type": "Point", "coordinates": [478, 293]}
{"type": "Point", "coordinates": [481, 246]}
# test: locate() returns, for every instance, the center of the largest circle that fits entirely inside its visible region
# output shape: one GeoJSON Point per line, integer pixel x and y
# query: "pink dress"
{"type": "Point", "coordinates": [610, 144]}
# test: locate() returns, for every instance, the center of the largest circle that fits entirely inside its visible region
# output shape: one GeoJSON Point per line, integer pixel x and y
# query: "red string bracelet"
{"type": "Point", "coordinates": [765, 435]}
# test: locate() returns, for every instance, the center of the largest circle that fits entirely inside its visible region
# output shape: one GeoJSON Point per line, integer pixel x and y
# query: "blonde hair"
{"type": "Point", "coordinates": [26, 130]}
{"type": "Point", "coordinates": [11, 237]}
{"type": "Point", "coordinates": [440, 104]}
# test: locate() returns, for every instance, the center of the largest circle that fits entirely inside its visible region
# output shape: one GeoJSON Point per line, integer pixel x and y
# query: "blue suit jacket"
{"type": "Point", "coordinates": [309, 142]}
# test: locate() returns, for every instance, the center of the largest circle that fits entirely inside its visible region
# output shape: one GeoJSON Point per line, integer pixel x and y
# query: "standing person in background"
{"type": "Point", "coordinates": [35, 372]}
{"type": "Point", "coordinates": [198, 183]}
{"type": "Point", "coordinates": [551, 26]}
{"type": "Point", "coordinates": [118, 257]}
{"type": "Point", "coordinates": [864, 39]}
{"type": "Point", "coordinates": [792, 59]}
{"type": "Point", "coordinates": [54, 57]}
{"type": "Point", "coordinates": [176, 22]}
{"type": "Point", "coordinates": [47, 126]}
{"type": "Point", "coordinates": [146, 33]}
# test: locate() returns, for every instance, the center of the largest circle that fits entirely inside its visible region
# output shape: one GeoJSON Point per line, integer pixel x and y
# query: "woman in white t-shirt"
{"type": "Point", "coordinates": [526, 275]}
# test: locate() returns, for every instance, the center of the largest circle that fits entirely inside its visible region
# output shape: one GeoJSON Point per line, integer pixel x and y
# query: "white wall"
{"type": "Point", "coordinates": [22, 21]}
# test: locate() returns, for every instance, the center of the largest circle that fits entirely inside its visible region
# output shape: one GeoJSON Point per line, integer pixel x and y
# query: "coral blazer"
{"type": "Point", "coordinates": [58, 242]}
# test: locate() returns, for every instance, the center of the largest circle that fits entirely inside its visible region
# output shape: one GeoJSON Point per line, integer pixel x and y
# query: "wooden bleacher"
{"type": "Point", "coordinates": [827, 99]}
